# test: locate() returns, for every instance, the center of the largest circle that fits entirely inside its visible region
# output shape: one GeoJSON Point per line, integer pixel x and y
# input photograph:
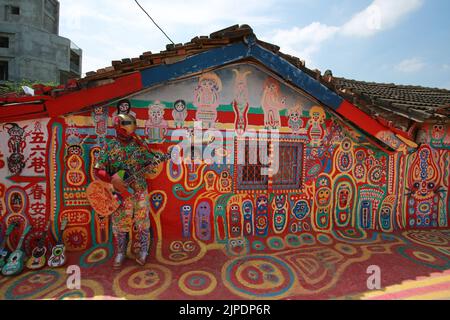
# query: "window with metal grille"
{"type": "Point", "coordinates": [3, 70]}
{"type": "Point", "coordinates": [250, 174]}
{"type": "Point", "coordinates": [289, 174]}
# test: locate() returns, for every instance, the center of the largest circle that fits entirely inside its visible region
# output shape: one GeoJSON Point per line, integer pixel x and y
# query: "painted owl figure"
{"type": "Point", "coordinates": [179, 113]}
{"type": "Point", "coordinates": [295, 120]}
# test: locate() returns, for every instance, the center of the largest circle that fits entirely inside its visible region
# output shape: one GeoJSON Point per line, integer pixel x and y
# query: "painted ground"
{"type": "Point", "coordinates": [414, 265]}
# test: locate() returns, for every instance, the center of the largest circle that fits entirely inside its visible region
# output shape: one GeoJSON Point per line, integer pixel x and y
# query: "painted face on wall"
{"type": "Point", "coordinates": [16, 202]}
{"type": "Point", "coordinates": [343, 194]}
{"type": "Point", "coordinates": [237, 246]}
{"type": "Point", "coordinates": [294, 115]}
{"type": "Point", "coordinates": [323, 197]}
{"type": "Point", "coordinates": [424, 189]}
{"type": "Point", "coordinates": [248, 209]}
{"type": "Point", "coordinates": [438, 132]}
{"type": "Point", "coordinates": [234, 213]}
{"type": "Point", "coordinates": [74, 150]}
{"type": "Point", "coordinates": [156, 114]}
{"type": "Point", "coordinates": [301, 209]}
{"type": "Point", "coordinates": [323, 217]}
{"type": "Point", "coordinates": [261, 202]}
{"type": "Point", "coordinates": [180, 106]}
{"type": "Point", "coordinates": [385, 217]}
{"type": "Point", "coordinates": [124, 107]}
{"type": "Point", "coordinates": [280, 200]}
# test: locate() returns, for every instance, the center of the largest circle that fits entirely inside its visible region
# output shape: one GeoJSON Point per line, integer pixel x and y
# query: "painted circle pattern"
{"type": "Point", "coordinates": [275, 243]}
{"type": "Point", "coordinates": [263, 277]}
{"type": "Point", "coordinates": [425, 257]}
{"type": "Point", "coordinates": [33, 285]}
{"type": "Point", "coordinates": [197, 283]}
{"type": "Point", "coordinates": [146, 282]}
{"type": "Point", "coordinates": [96, 256]}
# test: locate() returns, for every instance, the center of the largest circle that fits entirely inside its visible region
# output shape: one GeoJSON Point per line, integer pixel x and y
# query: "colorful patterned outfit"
{"type": "Point", "coordinates": [130, 157]}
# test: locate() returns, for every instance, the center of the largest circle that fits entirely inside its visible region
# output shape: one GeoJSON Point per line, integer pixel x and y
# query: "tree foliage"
{"type": "Point", "coordinates": [16, 86]}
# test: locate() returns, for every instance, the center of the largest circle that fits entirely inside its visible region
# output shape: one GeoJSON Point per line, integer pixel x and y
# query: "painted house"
{"type": "Point", "coordinates": [295, 152]}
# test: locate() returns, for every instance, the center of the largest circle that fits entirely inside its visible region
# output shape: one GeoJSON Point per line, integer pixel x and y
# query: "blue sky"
{"type": "Point", "coordinates": [398, 41]}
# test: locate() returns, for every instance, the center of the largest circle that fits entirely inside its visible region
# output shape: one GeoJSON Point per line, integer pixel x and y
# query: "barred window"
{"type": "Point", "coordinates": [289, 175]}
{"type": "Point", "coordinates": [250, 175]}
{"type": "Point", "coordinates": [289, 156]}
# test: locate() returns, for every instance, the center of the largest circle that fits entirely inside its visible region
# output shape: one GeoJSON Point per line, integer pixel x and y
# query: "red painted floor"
{"type": "Point", "coordinates": [307, 266]}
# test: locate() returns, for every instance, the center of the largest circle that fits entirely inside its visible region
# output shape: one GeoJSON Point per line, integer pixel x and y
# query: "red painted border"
{"type": "Point", "coordinates": [88, 97]}
{"type": "Point", "coordinates": [358, 117]}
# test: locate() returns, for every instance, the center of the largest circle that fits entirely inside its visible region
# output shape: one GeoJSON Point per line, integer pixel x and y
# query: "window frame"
{"type": "Point", "coordinates": [6, 40]}
{"type": "Point", "coordinates": [5, 63]}
{"type": "Point", "coordinates": [269, 183]}
{"type": "Point", "coordinates": [300, 146]}
{"type": "Point", "coordinates": [15, 10]}
{"type": "Point", "coordinates": [243, 185]}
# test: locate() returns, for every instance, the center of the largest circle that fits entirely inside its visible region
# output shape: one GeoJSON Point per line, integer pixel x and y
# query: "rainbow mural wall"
{"type": "Point", "coordinates": [332, 178]}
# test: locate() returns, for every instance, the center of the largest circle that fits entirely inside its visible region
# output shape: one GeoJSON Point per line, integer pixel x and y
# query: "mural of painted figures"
{"type": "Point", "coordinates": [207, 99]}
{"type": "Point", "coordinates": [241, 101]}
{"type": "Point", "coordinates": [334, 180]}
{"type": "Point", "coordinates": [179, 113]}
{"type": "Point", "coordinates": [272, 103]}
{"type": "Point", "coordinates": [316, 126]}
{"type": "Point", "coordinates": [156, 126]}
{"type": "Point", "coordinates": [295, 119]}
{"type": "Point", "coordinates": [425, 194]}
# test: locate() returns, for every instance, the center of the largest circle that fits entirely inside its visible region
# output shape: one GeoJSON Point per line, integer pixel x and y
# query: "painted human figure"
{"type": "Point", "coordinates": [295, 119]}
{"type": "Point", "coordinates": [123, 107]}
{"type": "Point", "coordinates": [207, 99]}
{"type": "Point", "coordinates": [241, 101]}
{"type": "Point", "coordinates": [126, 152]}
{"type": "Point", "coordinates": [272, 103]}
{"type": "Point", "coordinates": [156, 126]}
{"type": "Point", "coordinates": [316, 126]}
{"type": "Point", "coordinates": [179, 113]}
{"type": "Point", "coordinates": [16, 145]}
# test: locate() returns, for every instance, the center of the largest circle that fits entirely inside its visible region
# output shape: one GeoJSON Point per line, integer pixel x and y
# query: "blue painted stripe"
{"type": "Point", "coordinates": [209, 59]}
{"type": "Point", "coordinates": [232, 53]}
{"type": "Point", "coordinates": [293, 74]}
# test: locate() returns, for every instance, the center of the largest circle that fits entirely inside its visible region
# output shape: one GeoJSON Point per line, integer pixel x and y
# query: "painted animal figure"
{"type": "Point", "coordinates": [15, 262]}
{"type": "Point", "coordinates": [3, 250]}
{"type": "Point", "coordinates": [38, 259]}
{"type": "Point", "coordinates": [58, 257]}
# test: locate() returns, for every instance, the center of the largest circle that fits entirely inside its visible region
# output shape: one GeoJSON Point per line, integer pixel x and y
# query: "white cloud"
{"type": "Point", "coordinates": [379, 16]}
{"type": "Point", "coordinates": [303, 42]}
{"type": "Point", "coordinates": [111, 30]}
{"type": "Point", "coordinates": [446, 67]}
{"type": "Point", "coordinates": [410, 65]}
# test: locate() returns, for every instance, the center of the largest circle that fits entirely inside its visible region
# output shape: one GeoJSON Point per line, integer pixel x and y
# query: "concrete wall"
{"type": "Point", "coordinates": [36, 51]}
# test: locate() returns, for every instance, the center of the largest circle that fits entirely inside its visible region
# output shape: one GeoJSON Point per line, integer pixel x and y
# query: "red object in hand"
{"type": "Point", "coordinates": [102, 175]}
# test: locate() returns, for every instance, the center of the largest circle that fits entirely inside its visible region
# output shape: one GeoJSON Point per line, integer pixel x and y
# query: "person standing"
{"type": "Point", "coordinates": [127, 152]}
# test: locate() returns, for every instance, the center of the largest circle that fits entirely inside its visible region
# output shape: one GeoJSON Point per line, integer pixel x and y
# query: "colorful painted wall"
{"type": "Point", "coordinates": [341, 181]}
